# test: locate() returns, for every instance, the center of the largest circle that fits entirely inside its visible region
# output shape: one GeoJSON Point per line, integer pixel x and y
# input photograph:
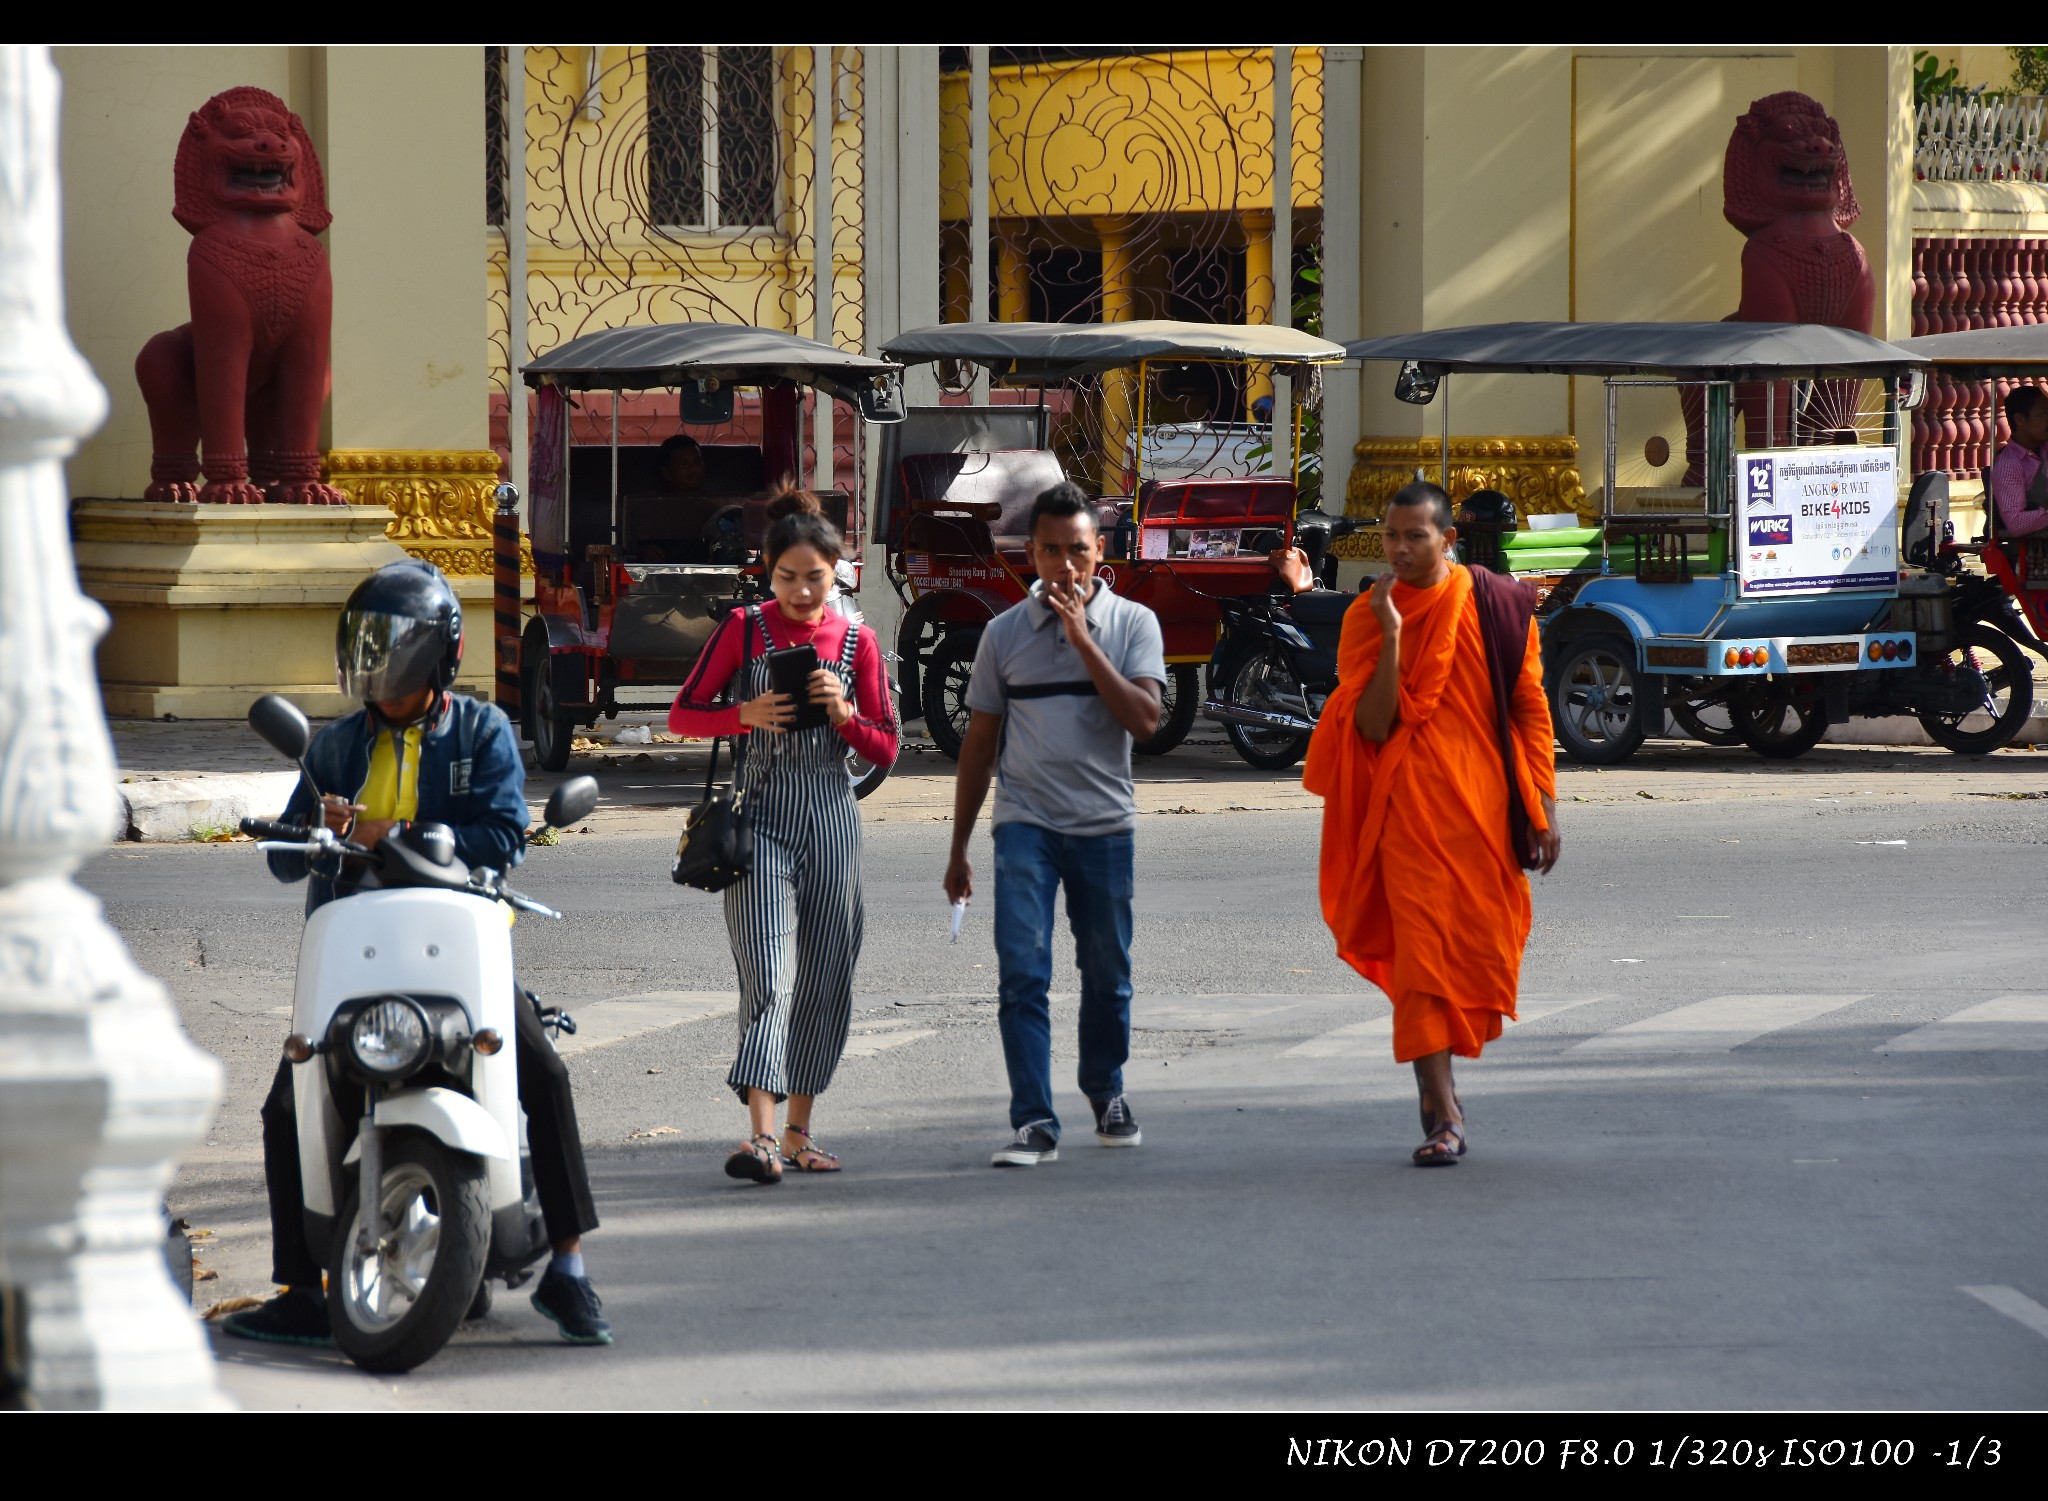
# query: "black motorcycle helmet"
{"type": "Point", "coordinates": [400, 631]}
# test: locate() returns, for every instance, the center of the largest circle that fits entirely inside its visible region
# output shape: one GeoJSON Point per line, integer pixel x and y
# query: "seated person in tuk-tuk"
{"type": "Point", "coordinates": [682, 465]}
{"type": "Point", "coordinates": [2019, 475]}
{"type": "Point", "coordinates": [681, 478]}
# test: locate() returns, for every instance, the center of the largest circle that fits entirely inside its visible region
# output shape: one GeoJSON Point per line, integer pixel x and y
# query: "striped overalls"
{"type": "Point", "coordinates": [795, 919]}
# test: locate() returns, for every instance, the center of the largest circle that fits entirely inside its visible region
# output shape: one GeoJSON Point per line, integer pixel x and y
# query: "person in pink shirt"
{"type": "Point", "coordinates": [2017, 484]}
{"type": "Point", "coordinates": [795, 919]}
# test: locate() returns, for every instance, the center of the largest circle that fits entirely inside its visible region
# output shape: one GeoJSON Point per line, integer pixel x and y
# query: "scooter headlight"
{"type": "Point", "coordinates": [389, 1037]}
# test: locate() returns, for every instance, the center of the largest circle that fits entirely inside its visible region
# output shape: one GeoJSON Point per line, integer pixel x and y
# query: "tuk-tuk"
{"type": "Point", "coordinates": [631, 579]}
{"type": "Point", "coordinates": [2016, 565]}
{"type": "Point", "coordinates": [1758, 586]}
{"type": "Point", "coordinates": [956, 484]}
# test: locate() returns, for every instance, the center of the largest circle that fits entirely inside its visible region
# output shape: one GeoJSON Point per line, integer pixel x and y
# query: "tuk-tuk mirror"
{"type": "Point", "coordinates": [1413, 387]}
{"type": "Point", "coordinates": [706, 403]}
{"type": "Point", "coordinates": [881, 400]}
{"type": "Point", "coordinates": [1912, 390]}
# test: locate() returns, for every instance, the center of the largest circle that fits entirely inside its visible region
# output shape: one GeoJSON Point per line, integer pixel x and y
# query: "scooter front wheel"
{"type": "Point", "coordinates": [1258, 679]}
{"type": "Point", "coordinates": [394, 1308]}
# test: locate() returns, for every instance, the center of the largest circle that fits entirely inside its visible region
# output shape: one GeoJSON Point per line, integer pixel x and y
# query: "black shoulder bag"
{"type": "Point", "coordinates": [717, 846]}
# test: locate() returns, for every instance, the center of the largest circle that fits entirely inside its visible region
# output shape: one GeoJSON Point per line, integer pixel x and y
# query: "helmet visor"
{"type": "Point", "coordinates": [380, 657]}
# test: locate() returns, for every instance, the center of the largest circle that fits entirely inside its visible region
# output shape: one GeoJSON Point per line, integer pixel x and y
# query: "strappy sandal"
{"type": "Point", "coordinates": [1439, 1151]}
{"type": "Point", "coordinates": [1422, 1108]}
{"type": "Point", "coordinates": [757, 1161]}
{"type": "Point", "coordinates": [810, 1157]}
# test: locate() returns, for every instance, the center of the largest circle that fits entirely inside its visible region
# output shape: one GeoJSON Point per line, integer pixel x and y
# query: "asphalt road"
{"type": "Point", "coordinates": [1720, 1165]}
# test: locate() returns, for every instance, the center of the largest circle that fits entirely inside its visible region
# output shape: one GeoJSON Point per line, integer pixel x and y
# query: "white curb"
{"type": "Point", "coordinates": [167, 810]}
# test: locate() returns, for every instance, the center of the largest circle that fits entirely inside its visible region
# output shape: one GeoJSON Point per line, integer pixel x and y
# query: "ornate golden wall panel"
{"type": "Point", "coordinates": [1540, 475]}
{"type": "Point", "coordinates": [441, 502]}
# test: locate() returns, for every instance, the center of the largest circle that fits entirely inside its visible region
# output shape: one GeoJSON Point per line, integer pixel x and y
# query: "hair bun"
{"type": "Point", "coordinates": [794, 502]}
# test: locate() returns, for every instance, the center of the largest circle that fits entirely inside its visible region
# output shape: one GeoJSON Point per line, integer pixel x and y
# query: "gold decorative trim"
{"type": "Point", "coordinates": [442, 502]}
{"type": "Point", "coordinates": [1540, 475]}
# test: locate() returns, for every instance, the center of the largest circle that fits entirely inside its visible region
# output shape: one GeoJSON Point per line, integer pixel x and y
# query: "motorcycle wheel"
{"type": "Point", "coordinates": [1697, 718]}
{"type": "Point", "coordinates": [2006, 706]}
{"type": "Point", "coordinates": [945, 690]}
{"type": "Point", "coordinates": [1253, 678]}
{"type": "Point", "coordinates": [550, 730]}
{"type": "Point", "coordinates": [1596, 701]}
{"type": "Point", "coordinates": [396, 1309]}
{"type": "Point", "coordinates": [1177, 713]}
{"type": "Point", "coordinates": [864, 774]}
{"type": "Point", "coordinates": [1778, 721]}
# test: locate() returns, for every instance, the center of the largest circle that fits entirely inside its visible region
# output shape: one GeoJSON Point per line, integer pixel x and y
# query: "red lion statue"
{"type": "Point", "coordinates": [1785, 184]}
{"type": "Point", "coordinates": [244, 381]}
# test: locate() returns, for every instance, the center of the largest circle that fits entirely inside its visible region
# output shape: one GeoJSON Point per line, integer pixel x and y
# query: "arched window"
{"type": "Point", "coordinates": [711, 137]}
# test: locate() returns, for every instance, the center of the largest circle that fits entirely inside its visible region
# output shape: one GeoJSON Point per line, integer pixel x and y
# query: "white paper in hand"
{"type": "Point", "coordinates": [959, 915]}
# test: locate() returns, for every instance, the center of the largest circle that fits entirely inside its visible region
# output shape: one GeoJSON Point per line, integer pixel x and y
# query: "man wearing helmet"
{"type": "Point", "coordinates": [416, 752]}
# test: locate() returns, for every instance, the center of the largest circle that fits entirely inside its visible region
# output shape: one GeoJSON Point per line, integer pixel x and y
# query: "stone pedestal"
{"type": "Point", "coordinates": [213, 606]}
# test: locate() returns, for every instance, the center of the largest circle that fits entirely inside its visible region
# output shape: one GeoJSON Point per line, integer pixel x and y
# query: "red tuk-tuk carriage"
{"type": "Point", "coordinates": [956, 483]}
{"type": "Point", "coordinates": [631, 579]}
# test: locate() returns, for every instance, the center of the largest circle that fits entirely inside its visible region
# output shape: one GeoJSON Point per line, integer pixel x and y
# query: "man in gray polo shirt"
{"type": "Point", "coordinates": [1062, 684]}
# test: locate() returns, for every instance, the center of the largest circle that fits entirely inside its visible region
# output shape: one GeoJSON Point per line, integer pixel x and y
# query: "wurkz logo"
{"type": "Point", "coordinates": [1770, 531]}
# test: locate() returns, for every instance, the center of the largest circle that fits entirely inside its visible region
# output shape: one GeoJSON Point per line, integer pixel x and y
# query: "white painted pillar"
{"type": "Point", "coordinates": [515, 271]}
{"type": "Point", "coordinates": [1283, 246]}
{"type": "Point", "coordinates": [977, 194]}
{"type": "Point", "coordinates": [100, 1088]}
{"type": "Point", "coordinates": [1343, 305]}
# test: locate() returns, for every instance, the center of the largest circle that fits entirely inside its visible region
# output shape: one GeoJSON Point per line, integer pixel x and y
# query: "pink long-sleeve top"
{"type": "Point", "coordinates": [872, 729]}
{"type": "Point", "coordinates": [2013, 471]}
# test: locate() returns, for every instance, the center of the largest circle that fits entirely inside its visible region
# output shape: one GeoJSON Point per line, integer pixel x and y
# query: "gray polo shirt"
{"type": "Point", "coordinates": [1065, 763]}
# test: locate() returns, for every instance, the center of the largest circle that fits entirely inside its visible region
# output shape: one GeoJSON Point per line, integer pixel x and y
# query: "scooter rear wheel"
{"type": "Point", "coordinates": [1257, 680]}
{"type": "Point", "coordinates": [395, 1309]}
{"type": "Point", "coordinates": [2008, 698]}
{"type": "Point", "coordinates": [1182, 701]}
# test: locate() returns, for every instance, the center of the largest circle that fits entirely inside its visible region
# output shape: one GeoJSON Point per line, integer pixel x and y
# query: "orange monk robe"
{"type": "Point", "coordinates": [1418, 884]}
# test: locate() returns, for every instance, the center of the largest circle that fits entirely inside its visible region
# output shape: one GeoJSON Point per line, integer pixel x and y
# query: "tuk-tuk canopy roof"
{"type": "Point", "coordinates": [670, 354]}
{"type": "Point", "coordinates": [1056, 351]}
{"type": "Point", "coordinates": [1716, 351]}
{"type": "Point", "coordinates": [1975, 353]}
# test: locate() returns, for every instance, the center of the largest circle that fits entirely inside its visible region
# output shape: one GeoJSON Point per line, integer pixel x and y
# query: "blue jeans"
{"type": "Point", "coordinates": [1097, 872]}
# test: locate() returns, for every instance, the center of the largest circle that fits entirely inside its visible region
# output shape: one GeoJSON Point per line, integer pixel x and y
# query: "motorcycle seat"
{"type": "Point", "coordinates": [1321, 607]}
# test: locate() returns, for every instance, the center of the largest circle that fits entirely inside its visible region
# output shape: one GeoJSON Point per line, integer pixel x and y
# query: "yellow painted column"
{"type": "Point", "coordinates": [1119, 388]}
{"type": "Point", "coordinates": [1258, 293]}
{"type": "Point", "coordinates": [1013, 283]}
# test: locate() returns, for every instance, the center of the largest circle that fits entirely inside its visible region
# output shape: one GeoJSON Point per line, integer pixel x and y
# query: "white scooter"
{"type": "Point", "coordinates": [403, 1025]}
{"type": "Point", "coordinates": [864, 775]}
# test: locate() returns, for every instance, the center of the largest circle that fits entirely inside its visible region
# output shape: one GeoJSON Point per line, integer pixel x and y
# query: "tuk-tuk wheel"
{"type": "Point", "coordinates": [1596, 701]}
{"type": "Point", "coordinates": [550, 729]}
{"type": "Point", "coordinates": [1781, 719]}
{"type": "Point", "coordinates": [945, 690]}
{"type": "Point", "coordinates": [1183, 700]}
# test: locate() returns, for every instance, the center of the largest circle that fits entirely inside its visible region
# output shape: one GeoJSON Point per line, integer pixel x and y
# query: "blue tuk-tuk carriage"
{"type": "Point", "coordinates": [1751, 588]}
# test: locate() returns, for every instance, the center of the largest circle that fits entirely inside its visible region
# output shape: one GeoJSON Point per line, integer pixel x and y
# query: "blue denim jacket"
{"type": "Point", "coordinates": [471, 778]}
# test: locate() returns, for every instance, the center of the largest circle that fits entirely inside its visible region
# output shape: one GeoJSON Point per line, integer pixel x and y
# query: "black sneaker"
{"type": "Point", "coordinates": [296, 1316]}
{"type": "Point", "coordinates": [573, 1304]}
{"type": "Point", "coordinates": [1115, 1126]}
{"type": "Point", "coordinates": [1031, 1145]}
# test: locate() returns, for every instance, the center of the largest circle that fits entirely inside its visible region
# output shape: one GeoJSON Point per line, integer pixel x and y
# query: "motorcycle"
{"type": "Point", "coordinates": [1275, 661]}
{"type": "Point", "coordinates": [404, 1036]}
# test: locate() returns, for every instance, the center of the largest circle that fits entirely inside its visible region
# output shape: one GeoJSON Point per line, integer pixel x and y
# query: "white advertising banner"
{"type": "Point", "coordinates": [1817, 519]}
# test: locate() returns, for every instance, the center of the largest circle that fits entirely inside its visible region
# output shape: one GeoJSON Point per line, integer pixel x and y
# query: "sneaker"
{"type": "Point", "coordinates": [1031, 1145]}
{"type": "Point", "coordinates": [296, 1316]}
{"type": "Point", "coordinates": [1115, 1126]}
{"type": "Point", "coordinates": [573, 1304]}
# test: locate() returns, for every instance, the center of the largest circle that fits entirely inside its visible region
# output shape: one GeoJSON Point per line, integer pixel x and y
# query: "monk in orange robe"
{"type": "Point", "coordinates": [1421, 885]}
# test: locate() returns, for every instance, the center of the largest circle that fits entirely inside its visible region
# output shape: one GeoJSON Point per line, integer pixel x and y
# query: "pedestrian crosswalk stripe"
{"type": "Point", "coordinates": [866, 1045]}
{"type": "Point", "coordinates": [601, 1023]}
{"type": "Point", "coordinates": [1216, 1013]}
{"type": "Point", "coordinates": [2014, 1304]}
{"type": "Point", "coordinates": [1715, 1025]}
{"type": "Point", "coordinates": [2011, 1023]}
{"type": "Point", "coordinates": [1372, 1038]}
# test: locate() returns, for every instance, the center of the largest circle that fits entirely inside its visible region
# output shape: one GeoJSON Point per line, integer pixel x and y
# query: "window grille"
{"type": "Point", "coordinates": [711, 137]}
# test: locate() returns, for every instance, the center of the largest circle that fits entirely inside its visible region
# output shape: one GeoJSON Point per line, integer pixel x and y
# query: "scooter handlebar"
{"type": "Point", "coordinates": [270, 828]}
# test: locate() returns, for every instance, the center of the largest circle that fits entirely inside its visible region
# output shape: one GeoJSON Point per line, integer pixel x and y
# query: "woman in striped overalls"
{"type": "Point", "coordinates": [795, 918]}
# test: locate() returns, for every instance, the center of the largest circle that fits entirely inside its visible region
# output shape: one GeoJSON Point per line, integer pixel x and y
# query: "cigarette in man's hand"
{"type": "Point", "coordinates": [959, 916]}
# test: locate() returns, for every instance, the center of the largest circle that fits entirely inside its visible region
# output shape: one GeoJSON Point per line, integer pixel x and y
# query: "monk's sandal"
{"type": "Point", "coordinates": [1445, 1146]}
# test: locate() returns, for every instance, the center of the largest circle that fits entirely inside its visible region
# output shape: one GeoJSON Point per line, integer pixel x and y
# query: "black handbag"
{"type": "Point", "coordinates": [717, 845]}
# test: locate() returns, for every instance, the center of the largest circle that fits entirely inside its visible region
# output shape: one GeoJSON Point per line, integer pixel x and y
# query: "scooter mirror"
{"type": "Point", "coordinates": [283, 728]}
{"type": "Point", "coordinates": [570, 803]}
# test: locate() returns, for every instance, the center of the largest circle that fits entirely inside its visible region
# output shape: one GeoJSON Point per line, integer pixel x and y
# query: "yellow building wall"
{"type": "Point", "coordinates": [1110, 137]}
{"type": "Point", "coordinates": [592, 260]}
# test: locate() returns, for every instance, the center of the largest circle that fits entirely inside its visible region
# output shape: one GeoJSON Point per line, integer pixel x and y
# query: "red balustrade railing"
{"type": "Point", "coordinates": [1960, 283]}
